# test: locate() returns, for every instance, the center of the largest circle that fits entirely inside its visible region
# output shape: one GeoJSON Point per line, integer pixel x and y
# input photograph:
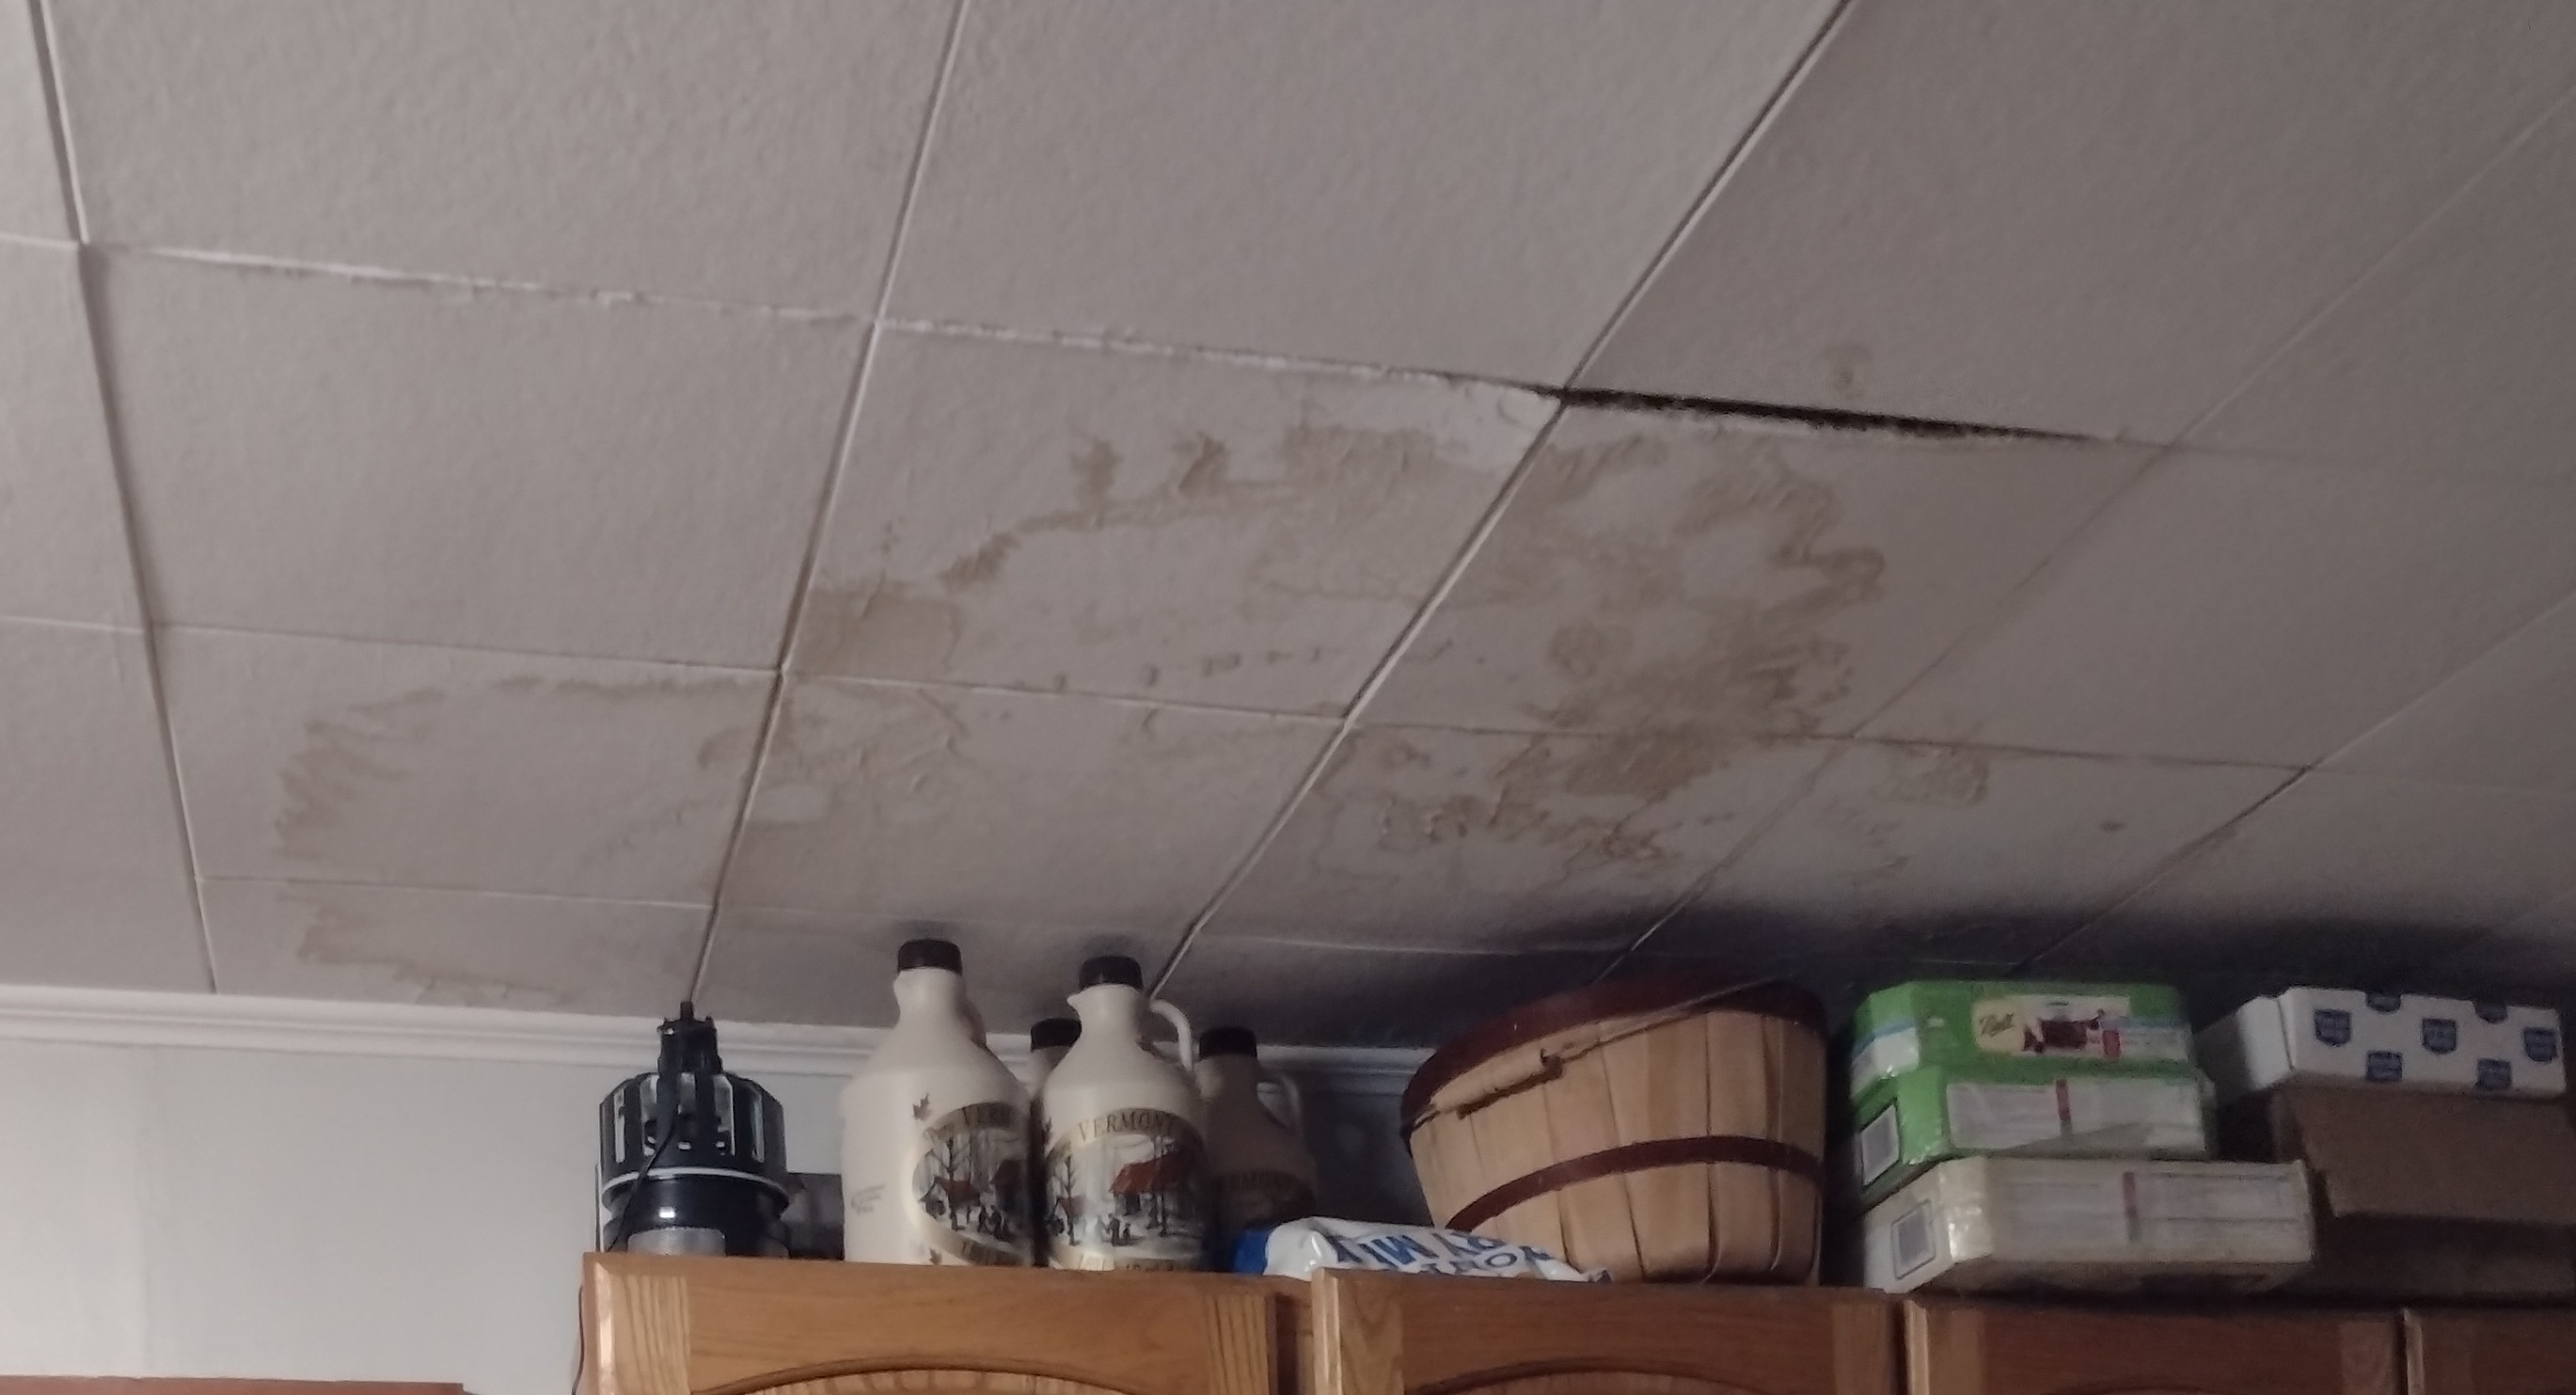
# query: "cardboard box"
{"type": "Point", "coordinates": [2056, 1029]}
{"type": "Point", "coordinates": [2425, 1195]}
{"type": "Point", "coordinates": [1907, 1122]}
{"type": "Point", "coordinates": [2400, 1039]}
{"type": "Point", "coordinates": [1987, 1224]}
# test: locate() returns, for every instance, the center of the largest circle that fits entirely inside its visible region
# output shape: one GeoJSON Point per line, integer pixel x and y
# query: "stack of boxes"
{"type": "Point", "coordinates": [2444, 1162]}
{"type": "Point", "coordinates": [2051, 1135]}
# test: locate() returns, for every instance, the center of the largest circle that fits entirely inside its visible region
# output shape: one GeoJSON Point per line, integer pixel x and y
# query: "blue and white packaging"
{"type": "Point", "coordinates": [1299, 1248]}
{"type": "Point", "coordinates": [2407, 1040]}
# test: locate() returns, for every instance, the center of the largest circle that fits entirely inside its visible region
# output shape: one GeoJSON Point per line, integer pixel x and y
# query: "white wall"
{"type": "Point", "coordinates": [209, 1187]}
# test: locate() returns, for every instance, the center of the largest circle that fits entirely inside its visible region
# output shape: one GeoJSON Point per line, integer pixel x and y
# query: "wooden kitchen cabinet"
{"type": "Point", "coordinates": [1996, 1349]}
{"type": "Point", "coordinates": [1387, 1334]}
{"type": "Point", "coordinates": [656, 1325]}
{"type": "Point", "coordinates": [2490, 1353]}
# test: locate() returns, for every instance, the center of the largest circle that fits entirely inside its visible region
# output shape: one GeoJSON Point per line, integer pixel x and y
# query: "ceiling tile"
{"type": "Point", "coordinates": [31, 184]}
{"type": "Point", "coordinates": [1663, 567]}
{"type": "Point", "coordinates": [62, 527]}
{"type": "Point", "coordinates": [1014, 808]}
{"type": "Point", "coordinates": [1955, 852]}
{"type": "Point", "coordinates": [327, 760]}
{"type": "Point", "coordinates": [1338, 995]}
{"type": "Point", "coordinates": [2094, 218]}
{"type": "Point", "coordinates": [2445, 359]}
{"type": "Point", "coordinates": [815, 966]}
{"type": "Point", "coordinates": [1463, 187]}
{"type": "Point", "coordinates": [750, 152]}
{"type": "Point", "coordinates": [1146, 525]}
{"type": "Point", "coordinates": [2354, 876]}
{"type": "Point", "coordinates": [474, 948]}
{"type": "Point", "coordinates": [2236, 609]}
{"type": "Point", "coordinates": [89, 823]}
{"type": "Point", "coordinates": [2502, 720]}
{"type": "Point", "coordinates": [381, 460]}
{"type": "Point", "coordinates": [1422, 838]}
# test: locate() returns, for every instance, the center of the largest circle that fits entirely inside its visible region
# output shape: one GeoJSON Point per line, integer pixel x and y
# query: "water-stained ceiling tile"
{"type": "Point", "coordinates": [2238, 609]}
{"type": "Point", "coordinates": [2501, 720]}
{"type": "Point", "coordinates": [1961, 853]}
{"type": "Point", "coordinates": [31, 184]}
{"type": "Point", "coordinates": [2095, 218]}
{"type": "Point", "coordinates": [472, 948]}
{"type": "Point", "coordinates": [822, 966]}
{"type": "Point", "coordinates": [1146, 525]}
{"type": "Point", "coordinates": [62, 528]}
{"type": "Point", "coordinates": [1660, 567]}
{"type": "Point", "coordinates": [1362, 997]}
{"type": "Point", "coordinates": [89, 822]}
{"type": "Point", "coordinates": [1464, 187]}
{"type": "Point", "coordinates": [753, 152]}
{"type": "Point", "coordinates": [386, 460]}
{"type": "Point", "coordinates": [1487, 840]}
{"type": "Point", "coordinates": [327, 760]}
{"type": "Point", "coordinates": [2448, 358]}
{"type": "Point", "coordinates": [1012, 808]}
{"type": "Point", "coordinates": [2352, 876]}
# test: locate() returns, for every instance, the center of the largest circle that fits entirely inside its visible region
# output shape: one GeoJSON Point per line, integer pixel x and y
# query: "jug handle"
{"type": "Point", "coordinates": [1296, 1120]}
{"type": "Point", "coordinates": [1189, 1042]}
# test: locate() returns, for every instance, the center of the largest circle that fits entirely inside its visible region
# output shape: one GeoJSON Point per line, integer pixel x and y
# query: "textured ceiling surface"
{"type": "Point", "coordinates": [1379, 510]}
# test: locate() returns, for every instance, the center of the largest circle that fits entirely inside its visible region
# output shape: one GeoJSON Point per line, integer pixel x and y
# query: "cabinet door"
{"type": "Point", "coordinates": [667, 1326]}
{"type": "Point", "coordinates": [2491, 1353]}
{"type": "Point", "coordinates": [1386, 1334]}
{"type": "Point", "coordinates": [1962, 1349]}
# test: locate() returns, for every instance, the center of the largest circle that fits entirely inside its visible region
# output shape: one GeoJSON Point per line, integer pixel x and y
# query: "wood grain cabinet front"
{"type": "Point", "coordinates": [1383, 1334]}
{"type": "Point", "coordinates": [1981, 1349]}
{"type": "Point", "coordinates": [2490, 1353]}
{"type": "Point", "coordinates": [668, 1326]}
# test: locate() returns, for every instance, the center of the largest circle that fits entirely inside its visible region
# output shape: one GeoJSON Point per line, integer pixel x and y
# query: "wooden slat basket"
{"type": "Point", "coordinates": [1667, 1128]}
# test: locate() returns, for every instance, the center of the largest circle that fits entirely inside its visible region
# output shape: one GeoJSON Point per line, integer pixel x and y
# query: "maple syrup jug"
{"type": "Point", "coordinates": [1126, 1182]}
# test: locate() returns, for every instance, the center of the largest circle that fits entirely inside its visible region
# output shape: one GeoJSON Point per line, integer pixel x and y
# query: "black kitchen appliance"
{"type": "Point", "coordinates": [692, 1160]}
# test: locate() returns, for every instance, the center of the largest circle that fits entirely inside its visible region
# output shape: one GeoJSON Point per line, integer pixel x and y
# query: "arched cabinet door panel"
{"type": "Point", "coordinates": [665, 1326]}
{"type": "Point", "coordinates": [2490, 1353]}
{"type": "Point", "coordinates": [1997, 1349]}
{"type": "Point", "coordinates": [1385, 1334]}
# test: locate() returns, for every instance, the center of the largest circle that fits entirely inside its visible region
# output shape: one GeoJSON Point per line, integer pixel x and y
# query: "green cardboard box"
{"type": "Point", "coordinates": [1949, 1068]}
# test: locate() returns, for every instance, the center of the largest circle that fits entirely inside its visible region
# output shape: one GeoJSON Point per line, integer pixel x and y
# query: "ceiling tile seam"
{"type": "Point", "coordinates": [2172, 865]}
{"type": "Point", "coordinates": [2008, 606]}
{"type": "Point", "coordinates": [1727, 165]}
{"type": "Point", "coordinates": [1736, 852]}
{"type": "Point", "coordinates": [85, 267]}
{"type": "Point", "coordinates": [64, 243]}
{"type": "Point", "coordinates": [1377, 677]}
{"type": "Point", "coordinates": [2397, 247]}
{"type": "Point", "coordinates": [390, 278]}
{"type": "Point", "coordinates": [1404, 951]}
{"type": "Point", "coordinates": [1105, 342]}
{"type": "Point", "coordinates": [53, 622]}
{"type": "Point", "coordinates": [548, 655]}
{"type": "Point", "coordinates": [843, 441]}
{"type": "Point", "coordinates": [1851, 738]}
{"type": "Point", "coordinates": [57, 123]}
{"type": "Point", "coordinates": [362, 884]}
{"type": "Point", "coordinates": [2435, 689]}
{"type": "Point", "coordinates": [930, 685]}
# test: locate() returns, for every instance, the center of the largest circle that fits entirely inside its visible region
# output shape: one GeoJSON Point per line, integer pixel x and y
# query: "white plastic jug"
{"type": "Point", "coordinates": [934, 1131]}
{"type": "Point", "coordinates": [1258, 1165]}
{"type": "Point", "coordinates": [1125, 1164]}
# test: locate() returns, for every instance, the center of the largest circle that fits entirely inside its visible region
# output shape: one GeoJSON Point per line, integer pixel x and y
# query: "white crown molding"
{"type": "Point", "coordinates": [225, 1022]}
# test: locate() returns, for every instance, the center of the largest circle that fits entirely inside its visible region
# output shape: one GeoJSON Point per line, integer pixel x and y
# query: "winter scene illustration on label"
{"type": "Point", "coordinates": [1124, 1192]}
{"type": "Point", "coordinates": [969, 1186]}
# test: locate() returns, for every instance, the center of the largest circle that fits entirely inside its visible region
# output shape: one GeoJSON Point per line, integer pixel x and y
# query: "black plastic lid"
{"type": "Point", "coordinates": [1053, 1032]}
{"type": "Point", "coordinates": [929, 954]}
{"type": "Point", "coordinates": [1227, 1041]}
{"type": "Point", "coordinates": [1112, 968]}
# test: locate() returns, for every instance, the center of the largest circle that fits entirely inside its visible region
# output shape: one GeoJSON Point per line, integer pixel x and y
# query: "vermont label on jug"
{"type": "Point", "coordinates": [969, 1186]}
{"type": "Point", "coordinates": [1123, 1192]}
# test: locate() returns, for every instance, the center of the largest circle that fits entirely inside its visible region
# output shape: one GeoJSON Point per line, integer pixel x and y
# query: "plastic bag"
{"type": "Point", "coordinates": [1299, 1248]}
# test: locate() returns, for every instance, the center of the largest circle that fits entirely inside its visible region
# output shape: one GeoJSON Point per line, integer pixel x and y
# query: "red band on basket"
{"type": "Point", "coordinates": [1638, 1157]}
